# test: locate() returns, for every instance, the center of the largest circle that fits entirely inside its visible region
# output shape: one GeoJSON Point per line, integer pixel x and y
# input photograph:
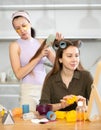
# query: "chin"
{"type": "Point", "coordinates": [25, 38]}
{"type": "Point", "coordinates": [72, 69]}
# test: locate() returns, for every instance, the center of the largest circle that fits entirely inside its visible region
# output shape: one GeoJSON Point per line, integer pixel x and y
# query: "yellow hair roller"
{"type": "Point", "coordinates": [60, 114]}
{"type": "Point", "coordinates": [71, 116]}
{"type": "Point", "coordinates": [71, 100]}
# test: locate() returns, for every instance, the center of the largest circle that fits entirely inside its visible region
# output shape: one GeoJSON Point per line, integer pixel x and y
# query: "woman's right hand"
{"type": "Point", "coordinates": [44, 52]}
{"type": "Point", "coordinates": [66, 100]}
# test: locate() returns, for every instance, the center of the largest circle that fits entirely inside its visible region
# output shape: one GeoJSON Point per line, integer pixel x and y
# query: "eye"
{"type": "Point", "coordinates": [77, 55]}
{"type": "Point", "coordinates": [69, 55]}
{"type": "Point", "coordinates": [24, 26]}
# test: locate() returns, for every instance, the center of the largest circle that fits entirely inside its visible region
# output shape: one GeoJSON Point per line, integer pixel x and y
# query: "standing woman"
{"type": "Point", "coordinates": [22, 50]}
{"type": "Point", "coordinates": [67, 78]}
{"type": "Point", "coordinates": [27, 68]}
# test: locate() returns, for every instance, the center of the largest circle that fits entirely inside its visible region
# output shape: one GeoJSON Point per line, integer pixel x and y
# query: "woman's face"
{"type": "Point", "coordinates": [70, 58]}
{"type": "Point", "coordinates": [22, 27]}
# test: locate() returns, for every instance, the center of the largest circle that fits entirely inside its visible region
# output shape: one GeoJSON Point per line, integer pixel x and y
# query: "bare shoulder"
{"type": "Point", "coordinates": [14, 48]}
{"type": "Point", "coordinates": [13, 45]}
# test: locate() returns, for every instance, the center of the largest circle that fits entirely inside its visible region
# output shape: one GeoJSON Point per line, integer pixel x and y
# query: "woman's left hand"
{"type": "Point", "coordinates": [81, 98]}
{"type": "Point", "coordinates": [59, 36]}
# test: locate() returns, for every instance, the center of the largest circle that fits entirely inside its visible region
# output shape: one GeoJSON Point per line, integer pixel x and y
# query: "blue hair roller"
{"type": "Point", "coordinates": [63, 45]}
{"type": "Point", "coordinates": [51, 115]}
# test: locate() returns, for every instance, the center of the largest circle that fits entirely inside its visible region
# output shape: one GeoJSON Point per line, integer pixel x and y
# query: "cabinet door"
{"type": "Point", "coordinates": [9, 95]}
{"type": "Point", "coordinates": [9, 101]}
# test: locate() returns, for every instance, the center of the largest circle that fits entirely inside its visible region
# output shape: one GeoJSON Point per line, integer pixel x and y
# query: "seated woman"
{"type": "Point", "coordinates": [67, 79]}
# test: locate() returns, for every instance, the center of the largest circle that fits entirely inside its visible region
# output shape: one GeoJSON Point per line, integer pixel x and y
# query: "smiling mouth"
{"type": "Point", "coordinates": [73, 65]}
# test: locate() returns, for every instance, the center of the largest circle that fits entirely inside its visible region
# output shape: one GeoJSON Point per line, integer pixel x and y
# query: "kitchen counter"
{"type": "Point", "coordinates": [10, 82]}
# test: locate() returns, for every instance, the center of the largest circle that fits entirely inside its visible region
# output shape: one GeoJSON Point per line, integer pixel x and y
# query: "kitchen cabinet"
{"type": "Point", "coordinates": [9, 95]}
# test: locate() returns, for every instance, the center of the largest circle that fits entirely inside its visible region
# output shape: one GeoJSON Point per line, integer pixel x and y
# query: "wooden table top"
{"type": "Point", "coordinates": [21, 124]}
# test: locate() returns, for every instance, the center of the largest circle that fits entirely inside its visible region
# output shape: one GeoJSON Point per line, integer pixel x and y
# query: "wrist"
{"type": "Point", "coordinates": [59, 106]}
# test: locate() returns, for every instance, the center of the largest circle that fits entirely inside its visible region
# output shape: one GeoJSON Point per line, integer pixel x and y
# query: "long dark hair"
{"type": "Point", "coordinates": [33, 32]}
{"type": "Point", "coordinates": [39, 50]}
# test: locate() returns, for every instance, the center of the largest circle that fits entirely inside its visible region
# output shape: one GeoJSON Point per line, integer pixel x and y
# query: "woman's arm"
{"type": "Point", "coordinates": [14, 53]}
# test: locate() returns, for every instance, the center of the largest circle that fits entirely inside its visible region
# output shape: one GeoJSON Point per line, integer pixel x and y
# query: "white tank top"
{"type": "Point", "coordinates": [28, 50]}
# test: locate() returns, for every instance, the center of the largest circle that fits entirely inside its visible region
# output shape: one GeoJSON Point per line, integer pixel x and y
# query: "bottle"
{"type": "Point", "coordinates": [80, 112]}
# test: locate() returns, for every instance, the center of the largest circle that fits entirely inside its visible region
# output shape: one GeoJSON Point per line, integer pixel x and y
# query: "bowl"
{"type": "Point", "coordinates": [43, 108]}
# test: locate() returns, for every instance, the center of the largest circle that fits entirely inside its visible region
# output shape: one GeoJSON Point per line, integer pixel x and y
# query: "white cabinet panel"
{"type": "Point", "coordinates": [9, 95]}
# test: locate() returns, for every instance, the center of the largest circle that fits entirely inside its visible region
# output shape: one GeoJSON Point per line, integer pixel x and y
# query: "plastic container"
{"type": "Point", "coordinates": [80, 112]}
{"type": "Point", "coordinates": [43, 108]}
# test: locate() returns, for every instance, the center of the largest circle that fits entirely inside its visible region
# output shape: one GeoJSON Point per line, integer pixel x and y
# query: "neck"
{"type": "Point", "coordinates": [67, 76]}
{"type": "Point", "coordinates": [67, 73]}
{"type": "Point", "coordinates": [26, 38]}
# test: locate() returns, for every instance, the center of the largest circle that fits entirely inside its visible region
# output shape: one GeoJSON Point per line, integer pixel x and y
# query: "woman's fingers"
{"type": "Point", "coordinates": [59, 36]}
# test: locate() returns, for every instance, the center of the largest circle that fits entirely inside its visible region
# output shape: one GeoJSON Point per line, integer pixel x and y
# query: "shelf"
{"type": "Point", "coordinates": [44, 37]}
{"type": "Point", "coordinates": [52, 7]}
{"type": "Point", "coordinates": [9, 84]}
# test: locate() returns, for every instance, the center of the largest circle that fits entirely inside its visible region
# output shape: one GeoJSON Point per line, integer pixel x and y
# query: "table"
{"type": "Point", "coordinates": [21, 124]}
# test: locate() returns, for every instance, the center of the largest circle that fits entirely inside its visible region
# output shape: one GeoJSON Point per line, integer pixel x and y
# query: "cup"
{"type": "Point", "coordinates": [3, 76]}
{"type": "Point", "coordinates": [25, 108]}
{"type": "Point", "coordinates": [43, 108]}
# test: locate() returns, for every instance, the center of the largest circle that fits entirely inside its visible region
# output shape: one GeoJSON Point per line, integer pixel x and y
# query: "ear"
{"type": "Point", "coordinates": [60, 60]}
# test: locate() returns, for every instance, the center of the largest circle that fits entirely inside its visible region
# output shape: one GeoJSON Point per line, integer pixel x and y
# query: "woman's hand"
{"type": "Point", "coordinates": [44, 52]}
{"type": "Point", "coordinates": [67, 100]}
{"type": "Point", "coordinates": [74, 97]}
{"type": "Point", "coordinates": [81, 98]}
{"type": "Point", "coordinates": [59, 36]}
{"type": "Point", "coordinates": [70, 99]}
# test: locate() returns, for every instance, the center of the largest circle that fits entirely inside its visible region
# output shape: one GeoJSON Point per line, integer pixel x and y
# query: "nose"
{"type": "Point", "coordinates": [74, 58]}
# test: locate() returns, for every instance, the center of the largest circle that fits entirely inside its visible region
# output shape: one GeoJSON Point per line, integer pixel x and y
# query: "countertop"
{"type": "Point", "coordinates": [9, 83]}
